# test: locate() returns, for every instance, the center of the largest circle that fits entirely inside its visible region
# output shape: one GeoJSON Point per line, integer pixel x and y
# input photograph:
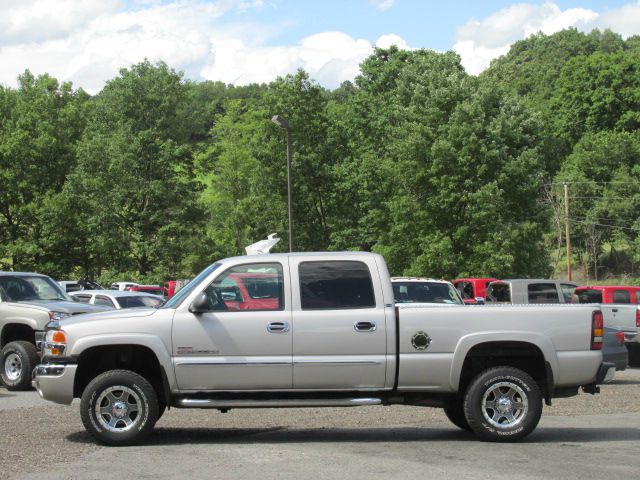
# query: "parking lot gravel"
{"type": "Point", "coordinates": [35, 433]}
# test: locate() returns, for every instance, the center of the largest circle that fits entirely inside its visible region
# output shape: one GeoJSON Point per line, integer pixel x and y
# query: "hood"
{"type": "Point", "coordinates": [64, 306]}
{"type": "Point", "coordinates": [108, 315]}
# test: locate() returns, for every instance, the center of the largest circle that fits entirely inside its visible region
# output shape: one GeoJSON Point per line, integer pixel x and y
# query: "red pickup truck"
{"type": "Point", "coordinates": [473, 289]}
{"type": "Point", "coordinates": [607, 294]}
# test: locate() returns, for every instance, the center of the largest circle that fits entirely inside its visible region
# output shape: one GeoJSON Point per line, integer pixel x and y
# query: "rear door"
{"type": "Point", "coordinates": [339, 319]}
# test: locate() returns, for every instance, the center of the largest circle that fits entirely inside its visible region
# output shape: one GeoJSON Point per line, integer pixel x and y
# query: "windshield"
{"type": "Point", "coordinates": [426, 292]}
{"type": "Point", "coordinates": [189, 287]}
{"type": "Point", "coordinates": [141, 301]}
{"type": "Point", "coordinates": [30, 288]}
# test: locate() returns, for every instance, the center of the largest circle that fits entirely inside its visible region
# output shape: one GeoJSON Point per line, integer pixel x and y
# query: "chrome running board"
{"type": "Point", "coordinates": [275, 403]}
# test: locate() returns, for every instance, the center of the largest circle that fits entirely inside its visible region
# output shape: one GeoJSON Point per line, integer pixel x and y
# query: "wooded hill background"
{"type": "Point", "coordinates": [442, 172]}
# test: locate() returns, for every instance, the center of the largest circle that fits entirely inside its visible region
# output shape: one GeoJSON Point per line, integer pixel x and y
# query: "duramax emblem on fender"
{"type": "Point", "coordinates": [420, 340]}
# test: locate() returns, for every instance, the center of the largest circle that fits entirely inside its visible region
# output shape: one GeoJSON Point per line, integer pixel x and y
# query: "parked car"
{"type": "Point", "coordinates": [152, 289]}
{"type": "Point", "coordinates": [473, 290]}
{"type": "Point", "coordinates": [617, 315]}
{"type": "Point", "coordinates": [173, 286]}
{"type": "Point", "coordinates": [489, 368]}
{"type": "Point", "coordinates": [28, 301]}
{"type": "Point", "coordinates": [542, 291]}
{"type": "Point", "coordinates": [418, 290]}
{"type": "Point", "coordinates": [618, 294]}
{"type": "Point", "coordinates": [122, 285]}
{"type": "Point", "coordinates": [118, 299]}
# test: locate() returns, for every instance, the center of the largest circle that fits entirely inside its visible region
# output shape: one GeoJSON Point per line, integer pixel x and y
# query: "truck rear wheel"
{"type": "Point", "coordinates": [454, 411]}
{"type": "Point", "coordinates": [18, 361]}
{"type": "Point", "coordinates": [503, 404]}
{"type": "Point", "coordinates": [119, 407]}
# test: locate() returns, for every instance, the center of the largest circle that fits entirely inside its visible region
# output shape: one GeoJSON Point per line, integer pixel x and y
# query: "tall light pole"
{"type": "Point", "coordinates": [282, 123]}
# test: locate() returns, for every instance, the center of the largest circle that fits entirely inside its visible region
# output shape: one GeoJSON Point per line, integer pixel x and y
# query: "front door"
{"type": "Point", "coordinates": [245, 341]}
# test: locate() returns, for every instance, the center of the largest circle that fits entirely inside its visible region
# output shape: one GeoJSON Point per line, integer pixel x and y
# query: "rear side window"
{"type": "Point", "coordinates": [621, 296]}
{"type": "Point", "coordinates": [587, 296]}
{"type": "Point", "coordinates": [335, 285]}
{"type": "Point", "coordinates": [104, 301]}
{"type": "Point", "coordinates": [543, 293]}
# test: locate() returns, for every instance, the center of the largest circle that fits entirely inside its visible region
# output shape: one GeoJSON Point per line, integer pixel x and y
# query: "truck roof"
{"type": "Point", "coordinates": [275, 256]}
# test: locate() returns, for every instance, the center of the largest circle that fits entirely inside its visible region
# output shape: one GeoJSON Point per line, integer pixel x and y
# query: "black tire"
{"type": "Point", "coordinates": [454, 411]}
{"type": "Point", "coordinates": [517, 414]}
{"type": "Point", "coordinates": [18, 361]}
{"type": "Point", "coordinates": [634, 354]}
{"type": "Point", "coordinates": [128, 403]}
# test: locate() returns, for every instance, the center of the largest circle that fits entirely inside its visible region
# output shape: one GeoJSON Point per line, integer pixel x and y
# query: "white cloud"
{"type": "Point", "coordinates": [382, 4]}
{"type": "Point", "coordinates": [330, 58]}
{"type": "Point", "coordinates": [385, 41]}
{"type": "Point", "coordinates": [479, 42]}
{"type": "Point", "coordinates": [88, 42]}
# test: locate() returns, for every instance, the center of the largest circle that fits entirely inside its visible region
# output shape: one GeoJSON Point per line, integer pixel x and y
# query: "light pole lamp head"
{"type": "Point", "coordinates": [281, 122]}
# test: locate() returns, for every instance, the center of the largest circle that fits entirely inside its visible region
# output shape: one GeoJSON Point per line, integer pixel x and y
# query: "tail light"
{"type": "Point", "coordinates": [638, 317]}
{"type": "Point", "coordinates": [597, 330]}
{"type": "Point", "coordinates": [620, 338]}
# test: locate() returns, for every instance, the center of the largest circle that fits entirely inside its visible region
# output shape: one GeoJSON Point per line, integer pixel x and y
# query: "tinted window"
{"type": "Point", "coordinates": [251, 287]}
{"type": "Point", "coordinates": [499, 292]}
{"type": "Point", "coordinates": [543, 293]}
{"type": "Point", "coordinates": [587, 296]}
{"type": "Point", "coordinates": [103, 301]}
{"type": "Point", "coordinates": [142, 301]}
{"type": "Point", "coordinates": [425, 292]}
{"type": "Point", "coordinates": [465, 289]}
{"type": "Point", "coordinates": [335, 285]}
{"type": "Point", "coordinates": [25, 288]}
{"type": "Point", "coordinates": [621, 296]}
{"type": "Point", "coordinates": [567, 291]}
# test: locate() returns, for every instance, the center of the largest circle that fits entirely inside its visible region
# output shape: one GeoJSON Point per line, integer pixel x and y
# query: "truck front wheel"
{"type": "Point", "coordinates": [18, 361]}
{"type": "Point", "coordinates": [119, 407]}
{"type": "Point", "coordinates": [503, 404]}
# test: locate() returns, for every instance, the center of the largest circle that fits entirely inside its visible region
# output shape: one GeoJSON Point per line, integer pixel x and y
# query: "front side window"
{"type": "Point", "coordinates": [465, 289]}
{"type": "Point", "coordinates": [499, 292]}
{"type": "Point", "coordinates": [567, 291]}
{"type": "Point", "coordinates": [543, 293]}
{"type": "Point", "coordinates": [621, 296]}
{"type": "Point", "coordinates": [335, 285]}
{"type": "Point", "coordinates": [141, 301]}
{"type": "Point", "coordinates": [250, 287]}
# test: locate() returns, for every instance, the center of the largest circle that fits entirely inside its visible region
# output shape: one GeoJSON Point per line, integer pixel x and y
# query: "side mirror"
{"type": "Point", "coordinates": [200, 304]}
{"type": "Point", "coordinates": [479, 300]}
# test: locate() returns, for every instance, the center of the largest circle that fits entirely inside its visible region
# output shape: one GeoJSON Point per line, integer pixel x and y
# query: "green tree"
{"type": "Point", "coordinates": [40, 124]}
{"type": "Point", "coordinates": [134, 177]}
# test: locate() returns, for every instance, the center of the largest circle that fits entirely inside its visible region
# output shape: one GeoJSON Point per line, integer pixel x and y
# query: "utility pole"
{"type": "Point", "coordinates": [567, 223]}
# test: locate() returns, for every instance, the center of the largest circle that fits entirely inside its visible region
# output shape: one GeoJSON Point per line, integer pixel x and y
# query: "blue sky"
{"type": "Point", "coordinates": [245, 41]}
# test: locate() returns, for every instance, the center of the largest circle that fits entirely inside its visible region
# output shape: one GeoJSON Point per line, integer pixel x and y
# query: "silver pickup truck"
{"type": "Point", "coordinates": [28, 301]}
{"type": "Point", "coordinates": [314, 330]}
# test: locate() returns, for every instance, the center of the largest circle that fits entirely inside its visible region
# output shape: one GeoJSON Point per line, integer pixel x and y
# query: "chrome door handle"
{"type": "Point", "coordinates": [365, 326]}
{"type": "Point", "coordinates": [278, 327]}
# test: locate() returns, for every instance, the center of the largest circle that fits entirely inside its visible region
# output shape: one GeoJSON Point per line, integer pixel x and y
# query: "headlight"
{"type": "Point", "coordinates": [55, 343]}
{"type": "Point", "coordinates": [57, 316]}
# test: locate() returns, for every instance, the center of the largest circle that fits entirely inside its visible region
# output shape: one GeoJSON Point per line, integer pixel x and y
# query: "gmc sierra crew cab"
{"type": "Point", "coordinates": [332, 337]}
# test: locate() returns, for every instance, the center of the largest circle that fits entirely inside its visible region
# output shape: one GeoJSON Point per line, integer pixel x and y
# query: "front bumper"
{"type": "Point", "coordinates": [54, 382]}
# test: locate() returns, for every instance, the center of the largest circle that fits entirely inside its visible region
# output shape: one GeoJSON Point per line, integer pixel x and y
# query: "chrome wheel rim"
{"type": "Point", "coordinates": [118, 409]}
{"type": "Point", "coordinates": [13, 367]}
{"type": "Point", "coordinates": [504, 405]}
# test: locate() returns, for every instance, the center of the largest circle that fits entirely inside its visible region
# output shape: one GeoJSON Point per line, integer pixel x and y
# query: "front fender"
{"type": "Point", "coordinates": [467, 342]}
{"type": "Point", "coordinates": [152, 342]}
